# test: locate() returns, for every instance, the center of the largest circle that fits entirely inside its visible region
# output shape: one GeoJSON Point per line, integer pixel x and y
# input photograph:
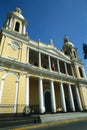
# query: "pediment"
{"type": "Point", "coordinates": [54, 51]}
{"type": "Point", "coordinates": [50, 49]}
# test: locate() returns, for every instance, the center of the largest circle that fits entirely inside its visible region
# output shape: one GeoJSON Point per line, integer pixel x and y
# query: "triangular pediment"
{"type": "Point", "coordinates": [50, 49]}
{"type": "Point", "coordinates": [54, 51]}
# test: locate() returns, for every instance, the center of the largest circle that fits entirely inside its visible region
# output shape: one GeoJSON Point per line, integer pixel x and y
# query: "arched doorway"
{"type": "Point", "coordinates": [47, 101]}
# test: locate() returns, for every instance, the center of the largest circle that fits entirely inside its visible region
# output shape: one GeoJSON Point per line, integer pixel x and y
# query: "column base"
{"type": "Point", "coordinates": [42, 110]}
{"type": "Point", "coordinates": [27, 110]}
{"type": "Point", "coordinates": [73, 110]}
{"type": "Point", "coordinates": [53, 110]}
{"type": "Point", "coordinates": [64, 110]}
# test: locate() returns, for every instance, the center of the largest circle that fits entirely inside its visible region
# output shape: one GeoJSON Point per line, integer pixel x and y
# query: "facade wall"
{"type": "Point", "coordinates": [31, 72]}
{"type": "Point", "coordinates": [34, 92]}
{"type": "Point", "coordinates": [83, 91]}
{"type": "Point", "coordinates": [24, 53]}
{"type": "Point", "coordinates": [22, 90]}
{"type": "Point", "coordinates": [9, 90]}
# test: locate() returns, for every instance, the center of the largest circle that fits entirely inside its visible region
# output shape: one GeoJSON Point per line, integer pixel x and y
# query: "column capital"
{"type": "Point", "coordinates": [28, 75]}
{"type": "Point", "coordinates": [17, 81]}
{"type": "Point", "coordinates": [52, 80]}
{"type": "Point", "coordinates": [40, 77]}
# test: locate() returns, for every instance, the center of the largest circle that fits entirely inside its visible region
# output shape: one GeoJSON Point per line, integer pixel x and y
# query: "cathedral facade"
{"type": "Point", "coordinates": [37, 77]}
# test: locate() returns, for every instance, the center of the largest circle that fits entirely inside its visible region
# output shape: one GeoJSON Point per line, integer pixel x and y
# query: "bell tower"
{"type": "Point", "coordinates": [13, 37]}
{"type": "Point", "coordinates": [16, 22]}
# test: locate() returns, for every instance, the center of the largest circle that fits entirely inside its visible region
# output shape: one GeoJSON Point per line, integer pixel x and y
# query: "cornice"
{"type": "Point", "coordinates": [40, 71]}
{"type": "Point", "coordinates": [78, 62]}
{"type": "Point", "coordinates": [11, 14]}
{"type": "Point", "coordinates": [15, 35]}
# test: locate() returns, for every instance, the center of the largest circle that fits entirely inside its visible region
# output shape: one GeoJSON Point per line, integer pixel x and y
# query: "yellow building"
{"type": "Point", "coordinates": [37, 77]}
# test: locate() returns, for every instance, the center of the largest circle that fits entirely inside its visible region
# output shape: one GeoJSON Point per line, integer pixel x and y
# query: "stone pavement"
{"type": "Point", "coordinates": [62, 116]}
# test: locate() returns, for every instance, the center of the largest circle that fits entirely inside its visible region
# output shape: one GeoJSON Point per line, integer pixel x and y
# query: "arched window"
{"type": "Point", "coordinates": [17, 26]}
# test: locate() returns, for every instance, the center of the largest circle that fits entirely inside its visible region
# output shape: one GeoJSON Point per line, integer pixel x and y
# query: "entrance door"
{"type": "Point", "coordinates": [48, 101]}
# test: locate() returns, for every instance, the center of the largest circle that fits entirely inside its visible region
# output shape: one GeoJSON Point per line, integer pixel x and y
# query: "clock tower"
{"type": "Point", "coordinates": [14, 37]}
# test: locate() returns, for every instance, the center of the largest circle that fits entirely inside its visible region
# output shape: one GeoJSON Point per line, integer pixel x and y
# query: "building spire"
{"type": "Point", "coordinates": [18, 10]}
{"type": "Point", "coordinates": [51, 42]}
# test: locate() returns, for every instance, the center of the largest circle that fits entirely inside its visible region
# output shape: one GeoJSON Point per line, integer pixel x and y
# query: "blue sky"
{"type": "Point", "coordinates": [52, 19]}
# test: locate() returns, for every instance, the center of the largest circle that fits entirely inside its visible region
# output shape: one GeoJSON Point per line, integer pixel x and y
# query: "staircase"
{"type": "Point", "coordinates": [19, 120]}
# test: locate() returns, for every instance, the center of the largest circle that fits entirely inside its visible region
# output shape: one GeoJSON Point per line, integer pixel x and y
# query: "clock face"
{"type": "Point", "coordinates": [15, 46]}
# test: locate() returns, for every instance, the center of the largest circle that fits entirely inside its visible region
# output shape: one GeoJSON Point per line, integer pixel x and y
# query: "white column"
{"type": "Point", "coordinates": [16, 96]}
{"type": "Point", "coordinates": [49, 63]}
{"type": "Point", "coordinates": [27, 94]}
{"type": "Point", "coordinates": [65, 67]}
{"type": "Point", "coordinates": [41, 96]}
{"type": "Point", "coordinates": [72, 71]}
{"type": "Point", "coordinates": [78, 98]}
{"type": "Point", "coordinates": [24, 29]}
{"type": "Point", "coordinates": [58, 66]}
{"type": "Point", "coordinates": [77, 72]}
{"type": "Point", "coordinates": [39, 59]}
{"type": "Point", "coordinates": [10, 23]}
{"type": "Point", "coordinates": [7, 22]}
{"type": "Point", "coordinates": [71, 98]}
{"type": "Point", "coordinates": [62, 97]}
{"type": "Point", "coordinates": [53, 102]}
{"type": "Point", "coordinates": [27, 54]}
{"type": "Point", "coordinates": [83, 71]}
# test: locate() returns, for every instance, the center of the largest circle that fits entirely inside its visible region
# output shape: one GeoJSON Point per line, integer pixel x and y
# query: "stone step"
{"type": "Point", "coordinates": [7, 122]}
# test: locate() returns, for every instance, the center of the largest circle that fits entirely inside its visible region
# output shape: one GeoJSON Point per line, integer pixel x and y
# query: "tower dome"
{"type": "Point", "coordinates": [67, 42]}
{"type": "Point", "coordinates": [18, 13]}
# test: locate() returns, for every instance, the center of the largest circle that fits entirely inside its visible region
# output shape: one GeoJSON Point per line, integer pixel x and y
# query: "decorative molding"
{"type": "Point", "coordinates": [22, 73]}
{"type": "Point", "coordinates": [1, 69]}
{"type": "Point", "coordinates": [15, 45]}
{"type": "Point", "coordinates": [15, 36]}
{"type": "Point", "coordinates": [2, 64]}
